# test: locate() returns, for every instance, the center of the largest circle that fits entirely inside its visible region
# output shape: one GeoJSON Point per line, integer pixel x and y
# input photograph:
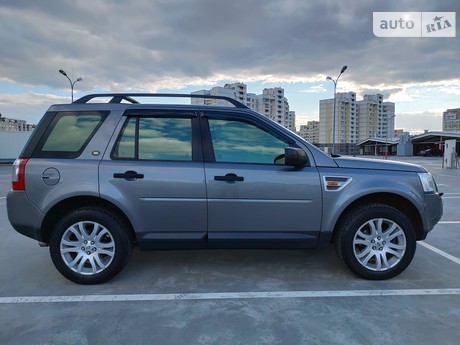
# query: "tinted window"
{"type": "Point", "coordinates": [241, 142]}
{"type": "Point", "coordinates": [125, 147]}
{"type": "Point", "coordinates": [156, 138]}
{"type": "Point", "coordinates": [69, 133]}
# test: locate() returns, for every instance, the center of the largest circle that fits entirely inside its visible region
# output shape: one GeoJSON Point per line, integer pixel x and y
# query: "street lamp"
{"type": "Point", "coordinates": [70, 81]}
{"type": "Point", "coordinates": [333, 120]}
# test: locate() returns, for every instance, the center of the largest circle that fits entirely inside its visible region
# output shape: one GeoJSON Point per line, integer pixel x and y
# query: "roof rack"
{"type": "Point", "coordinates": [119, 97]}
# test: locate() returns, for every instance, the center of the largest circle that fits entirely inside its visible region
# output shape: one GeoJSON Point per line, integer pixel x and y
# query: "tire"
{"type": "Point", "coordinates": [376, 241]}
{"type": "Point", "coordinates": [90, 246]}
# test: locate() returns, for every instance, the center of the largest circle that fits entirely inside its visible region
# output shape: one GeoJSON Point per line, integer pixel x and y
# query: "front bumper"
{"type": "Point", "coordinates": [432, 212]}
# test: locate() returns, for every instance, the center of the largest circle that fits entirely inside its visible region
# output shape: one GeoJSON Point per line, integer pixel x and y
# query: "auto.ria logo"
{"type": "Point", "coordinates": [414, 24]}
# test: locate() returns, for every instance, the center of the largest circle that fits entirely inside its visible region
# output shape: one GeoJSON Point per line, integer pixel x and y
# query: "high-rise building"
{"type": "Point", "coordinates": [355, 120]}
{"type": "Point", "coordinates": [310, 131]}
{"type": "Point", "coordinates": [290, 121]}
{"type": "Point", "coordinates": [215, 91]}
{"type": "Point", "coordinates": [369, 109]}
{"type": "Point", "coordinates": [271, 103]}
{"type": "Point", "coordinates": [239, 90]}
{"type": "Point", "coordinates": [346, 126]}
{"type": "Point", "coordinates": [375, 118]}
{"type": "Point", "coordinates": [451, 120]}
{"type": "Point", "coordinates": [388, 120]}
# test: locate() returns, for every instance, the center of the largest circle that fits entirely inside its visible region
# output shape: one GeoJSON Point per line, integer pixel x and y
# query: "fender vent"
{"type": "Point", "coordinates": [335, 183]}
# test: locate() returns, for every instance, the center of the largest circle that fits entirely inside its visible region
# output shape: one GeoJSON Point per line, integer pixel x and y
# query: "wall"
{"type": "Point", "coordinates": [11, 144]}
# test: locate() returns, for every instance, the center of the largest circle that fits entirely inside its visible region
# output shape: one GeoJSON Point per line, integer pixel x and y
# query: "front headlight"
{"type": "Point", "coordinates": [429, 186]}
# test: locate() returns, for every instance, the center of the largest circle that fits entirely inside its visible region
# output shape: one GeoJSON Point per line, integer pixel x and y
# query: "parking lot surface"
{"type": "Point", "coordinates": [236, 296]}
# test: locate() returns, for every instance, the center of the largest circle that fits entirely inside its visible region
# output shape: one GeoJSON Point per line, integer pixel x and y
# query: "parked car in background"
{"type": "Point", "coordinates": [431, 152]}
{"type": "Point", "coordinates": [97, 178]}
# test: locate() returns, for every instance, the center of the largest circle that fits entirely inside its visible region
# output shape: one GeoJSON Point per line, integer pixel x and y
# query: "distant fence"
{"type": "Point", "coordinates": [11, 144]}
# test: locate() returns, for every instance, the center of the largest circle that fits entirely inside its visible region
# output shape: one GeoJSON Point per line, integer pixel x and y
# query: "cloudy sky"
{"type": "Point", "coordinates": [189, 45]}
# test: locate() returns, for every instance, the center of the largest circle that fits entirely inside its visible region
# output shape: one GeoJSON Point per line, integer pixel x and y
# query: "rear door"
{"type": "Point", "coordinates": [254, 200]}
{"type": "Point", "coordinates": [155, 174]}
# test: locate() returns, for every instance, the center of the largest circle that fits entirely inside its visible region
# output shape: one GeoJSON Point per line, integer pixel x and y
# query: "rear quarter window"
{"type": "Point", "coordinates": [69, 133]}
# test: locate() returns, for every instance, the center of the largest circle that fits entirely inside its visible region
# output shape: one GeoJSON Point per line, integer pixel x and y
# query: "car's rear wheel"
{"type": "Point", "coordinates": [90, 246]}
{"type": "Point", "coordinates": [376, 241]}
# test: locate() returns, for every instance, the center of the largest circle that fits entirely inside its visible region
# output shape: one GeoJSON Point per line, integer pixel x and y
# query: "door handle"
{"type": "Point", "coordinates": [229, 178]}
{"type": "Point", "coordinates": [129, 175]}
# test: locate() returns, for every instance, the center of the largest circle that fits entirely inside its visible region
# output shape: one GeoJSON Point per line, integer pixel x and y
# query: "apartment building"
{"type": "Point", "coordinates": [388, 120]}
{"type": "Point", "coordinates": [346, 121]}
{"type": "Point", "coordinates": [239, 90]}
{"type": "Point", "coordinates": [272, 103]}
{"type": "Point", "coordinates": [290, 121]}
{"type": "Point", "coordinates": [451, 120]}
{"type": "Point", "coordinates": [310, 132]}
{"type": "Point", "coordinates": [13, 125]}
{"type": "Point", "coordinates": [355, 120]}
{"type": "Point", "coordinates": [369, 109]}
{"type": "Point", "coordinates": [215, 91]}
{"type": "Point", "coordinates": [375, 118]}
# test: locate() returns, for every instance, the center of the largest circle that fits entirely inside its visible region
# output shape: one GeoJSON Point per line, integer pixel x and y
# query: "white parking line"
{"type": "Point", "coordinates": [449, 222]}
{"type": "Point", "coordinates": [2, 197]}
{"type": "Point", "coordinates": [440, 252]}
{"type": "Point", "coordinates": [451, 197]}
{"type": "Point", "coordinates": [227, 295]}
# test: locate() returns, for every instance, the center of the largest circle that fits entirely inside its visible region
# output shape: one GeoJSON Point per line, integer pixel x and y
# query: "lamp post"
{"type": "Point", "coordinates": [333, 118]}
{"type": "Point", "coordinates": [70, 81]}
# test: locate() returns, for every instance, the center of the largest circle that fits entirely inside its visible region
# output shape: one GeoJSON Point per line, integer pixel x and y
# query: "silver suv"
{"type": "Point", "coordinates": [97, 178]}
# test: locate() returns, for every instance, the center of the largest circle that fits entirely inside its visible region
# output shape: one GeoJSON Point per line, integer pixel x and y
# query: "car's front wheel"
{"type": "Point", "coordinates": [376, 241]}
{"type": "Point", "coordinates": [90, 246]}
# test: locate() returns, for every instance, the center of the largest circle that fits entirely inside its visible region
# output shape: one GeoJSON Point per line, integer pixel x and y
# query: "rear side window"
{"type": "Point", "coordinates": [69, 133]}
{"type": "Point", "coordinates": [155, 138]}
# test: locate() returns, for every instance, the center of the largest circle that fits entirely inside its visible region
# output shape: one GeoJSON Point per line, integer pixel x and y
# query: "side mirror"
{"type": "Point", "coordinates": [295, 156]}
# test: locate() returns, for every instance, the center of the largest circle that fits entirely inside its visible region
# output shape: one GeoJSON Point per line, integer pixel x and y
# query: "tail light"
{"type": "Point", "coordinates": [19, 169]}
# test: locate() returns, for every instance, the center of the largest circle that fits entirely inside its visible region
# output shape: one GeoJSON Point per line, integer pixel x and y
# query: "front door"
{"type": "Point", "coordinates": [254, 200]}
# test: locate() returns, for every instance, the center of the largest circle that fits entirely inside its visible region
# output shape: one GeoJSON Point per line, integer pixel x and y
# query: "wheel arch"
{"type": "Point", "coordinates": [397, 201]}
{"type": "Point", "coordinates": [65, 206]}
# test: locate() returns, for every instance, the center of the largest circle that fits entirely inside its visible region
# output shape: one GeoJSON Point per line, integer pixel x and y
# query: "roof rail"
{"type": "Point", "coordinates": [119, 97]}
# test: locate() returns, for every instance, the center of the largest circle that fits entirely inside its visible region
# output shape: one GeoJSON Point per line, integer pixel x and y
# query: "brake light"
{"type": "Point", "coordinates": [19, 168]}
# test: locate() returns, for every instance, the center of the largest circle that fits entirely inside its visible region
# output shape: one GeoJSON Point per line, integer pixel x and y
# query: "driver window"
{"type": "Point", "coordinates": [241, 142]}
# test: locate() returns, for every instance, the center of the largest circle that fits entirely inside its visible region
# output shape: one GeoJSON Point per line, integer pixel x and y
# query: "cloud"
{"type": "Point", "coordinates": [431, 119]}
{"type": "Point", "coordinates": [315, 89]}
{"type": "Point", "coordinates": [151, 44]}
{"type": "Point", "coordinates": [28, 106]}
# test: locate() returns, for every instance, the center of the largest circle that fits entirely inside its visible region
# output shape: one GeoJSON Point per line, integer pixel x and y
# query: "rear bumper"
{"type": "Point", "coordinates": [432, 212]}
{"type": "Point", "coordinates": [24, 216]}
